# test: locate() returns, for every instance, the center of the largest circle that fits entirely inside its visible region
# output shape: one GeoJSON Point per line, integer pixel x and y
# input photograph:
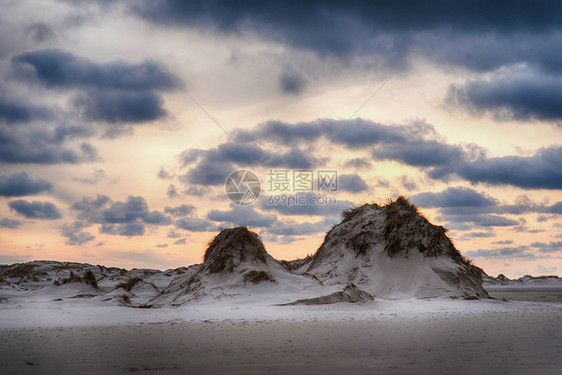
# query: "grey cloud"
{"type": "Point", "coordinates": [357, 163]}
{"type": "Point", "coordinates": [15, 112]}
{"type": "Point", "coordinates": [182, 210]}
{"type": "Point", "coordinates": [352, 183]}
{"type": "Point", "coordinates": [19, 184]}
{"type": "Point", "coordinates": [124, 229]}
{"type": "Point", "coordinates": [540, 171]}
{"type": "Point", "coordinates": [195, 224]}
{"type": "Point", "coordinates": [456, 197]}
{"type": "Point", "coordinates": [9, 223]}
{"type": "Point", "coordinates": [61, 69]}
{"type": "Point", "coordinates": [243, 215]}
{"type": "Point", "coordinates": [503, 242]}
{"type": "Point", "coordinates": [212, 167]}
{"type": "Point", "coordinates": [551, 247]}
{"type": "Point", "coordinates": [126, 218]}
{"type": "Point", "coordinates": [41, 32]}
{"type": "Point", "coordinates": [391, 31]}
{"type": "Point", "coordinates": [156, 218]}
{"type": "Point", "coordinates": [503, 252]}
{"type": "Point", "coordinates": [173, 234]}
{"type": "Point", "coordinates": [172, 191]}
{"type": "Point", "coordinates": [35, 209]}
{"type": "Point", "coordinates": [119, 106]}
{"type": "Point", "coordinates": [292, 82]}
{"type": "Point", "coordinates": [31, 144]}
{"type": "Point", "coordinates": [532, 96]}
{"type": "Point", "coordinates": [74, 233]}
{"type": "Point", "coordinates": [479, 220]}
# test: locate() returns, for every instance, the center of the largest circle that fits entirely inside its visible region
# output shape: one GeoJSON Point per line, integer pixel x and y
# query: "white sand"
{"type": "Point", "coordinates": [411, 336]}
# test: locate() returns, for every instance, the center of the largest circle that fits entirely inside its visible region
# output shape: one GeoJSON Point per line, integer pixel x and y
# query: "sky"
{"type": "Point", "coordinates": [121, 122]}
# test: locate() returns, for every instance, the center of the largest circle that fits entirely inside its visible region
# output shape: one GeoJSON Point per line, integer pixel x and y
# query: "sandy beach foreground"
{"type": "Point", "coordinates": [509, 338]}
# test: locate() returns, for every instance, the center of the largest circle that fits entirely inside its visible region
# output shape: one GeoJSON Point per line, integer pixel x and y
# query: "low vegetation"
{"type": "Point", "coordinates": [88, 278]}
{"type": "Point", "coordinates": [232, 246]}
{"type": "Point", "coordinates": [128, 284]}
{"type": "Point", "coordinates": [257, 277]}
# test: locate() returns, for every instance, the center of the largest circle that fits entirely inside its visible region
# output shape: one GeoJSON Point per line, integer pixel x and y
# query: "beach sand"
{"type": "Point", "coordinates": [443, 337]}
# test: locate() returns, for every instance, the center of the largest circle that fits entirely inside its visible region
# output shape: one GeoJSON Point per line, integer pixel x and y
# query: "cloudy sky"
{"type": "Point", "coordinates": [121, 121]}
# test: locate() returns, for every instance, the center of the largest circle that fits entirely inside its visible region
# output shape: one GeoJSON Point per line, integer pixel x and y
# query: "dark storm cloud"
{"type": "Point", "coordinates": [19, 184]}
{"type": "Point", "coordinates": [352, 183]}
{"type": "Point", "coordinates": [57, 68]}
{"type": "Point", "coordinates": [33, 134]}
{"type": "Point", "coordinates": [35, 209]}
{"type": "Point", "coordinates": [74, 234]}
{"type": "Point", "coordinates": [523, 98]}
{"type": "Point", "coordinates": [14, 112]}
{"type": "Point", "coordinates": [540, 171]}
{"type": "Point", "coordinates": [114, 92]}
{"type": "Point", "coordinates": [480, 35]}
{"type": "Point", "coordinates": [119, 106]}
{"type": "Point", "coordinates": [292, 82]}
{"type": "Point", "coordinates": [9, 223]}
{"type": "Point", "coordinates": [242, 215]}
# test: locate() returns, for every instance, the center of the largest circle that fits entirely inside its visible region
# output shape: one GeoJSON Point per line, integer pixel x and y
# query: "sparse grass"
{"type": "Point", "coordinates": [88, 278]}
{"type": "Point", "coordinates": [257, 277]}
{"type": "Point", "coordinates": [398, 215]}
{"type": "Point", "coordinates": [231, 246]}
{"type": "Point", "coordinates": [129, 284]}
{"type": "Point", "coordinates": [350, 213]}
{"type": "Point", "coordinates": [359, 243]}
{"type": "Point", "coordinates": [22, 271]}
